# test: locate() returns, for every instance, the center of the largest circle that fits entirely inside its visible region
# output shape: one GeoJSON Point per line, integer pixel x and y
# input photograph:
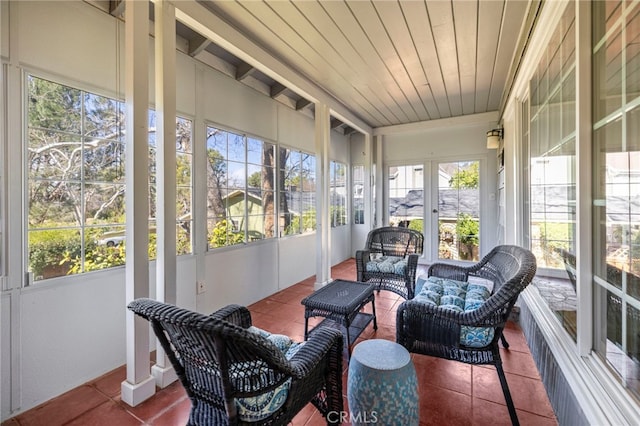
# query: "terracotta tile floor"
{"type": "Point", "coordinates": [451, 393]}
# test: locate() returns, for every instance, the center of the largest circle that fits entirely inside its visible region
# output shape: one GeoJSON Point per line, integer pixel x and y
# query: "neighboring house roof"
{"type": "Point", "coordinates": [451, 201]}
{"type": "Point", "coordinates": [552, 200]}
{"type": "Point", "coordinates": [254, 193]}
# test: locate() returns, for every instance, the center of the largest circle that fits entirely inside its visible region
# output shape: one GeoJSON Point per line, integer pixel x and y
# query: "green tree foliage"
{"type": "Point", "coordinates": [100, 257]}
{"type": "Point", "coordinates": [554, 236]}
{"type": "Point", "coordinates": [255, 180]}
{"type": "Point", "coordinates": [223, 235]}
{"type": "Point", "coordinates": [216, 181]}
{"type": "Point", "coordinates": [467, 178]}
{"type": "Point", "coordinates": [417, 225]}
{"type": "Point", "coordinates": [467, 231]}
{"type": "Point", "coordinates": [46, 249]}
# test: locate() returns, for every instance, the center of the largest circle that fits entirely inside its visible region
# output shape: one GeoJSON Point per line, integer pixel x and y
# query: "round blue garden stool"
{"type": "Point", "coordinates": [382, 387]}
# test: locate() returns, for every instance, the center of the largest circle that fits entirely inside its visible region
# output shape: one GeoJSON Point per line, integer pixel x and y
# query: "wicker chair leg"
{"type": "Point", "coordinates": [507, 395]}
{"type": "Point", "coordinates": [334, 408]}
{"type": "Point", "coordinates": [503, 339]}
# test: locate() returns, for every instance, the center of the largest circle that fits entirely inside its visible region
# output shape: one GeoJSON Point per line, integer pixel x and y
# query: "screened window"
{"type": "Point", "coordinates": [240, 188]}
{"type": "Point", "coordinates": [550, 164]}
{"type": "Point", "coordinates": [616, 211]}
{"type": "Point", "coordinates": [76, 180]}
{"type": "Point", "coordinates": [297, 193]}
{"type": "Point", "coordinates": [338, 194]}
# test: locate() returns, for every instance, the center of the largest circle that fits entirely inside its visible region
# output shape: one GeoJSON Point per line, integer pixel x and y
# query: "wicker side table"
{"type": "Point", "coordinates": [339, 302]}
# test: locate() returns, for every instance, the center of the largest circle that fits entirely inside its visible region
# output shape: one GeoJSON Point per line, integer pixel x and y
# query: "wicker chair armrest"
{"type": "Point", "coordinates": [235, 314]}
{"type": "Point", "coordinates": [315, 350]}
{"type": "Point", "coordinates": [449, 270]}
{"type": "Point", "coordinates": [362, 257]}
{"type": "Point", "coordinates": [410, 274]}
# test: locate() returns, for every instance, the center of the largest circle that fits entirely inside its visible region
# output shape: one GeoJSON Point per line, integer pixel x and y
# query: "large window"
{"type": "Point", "coordinates": [297, 195]}
{"type": "Point", "coordinates": [616, 211]}
{"type": "Point", "coordinates": [240, 188]}
{"type": "Point", "coordinates": [551, 165]}
{"type": "Point", "coordinates": [76, 177]}
{"type": "Point", "coordinates": [338, 194]}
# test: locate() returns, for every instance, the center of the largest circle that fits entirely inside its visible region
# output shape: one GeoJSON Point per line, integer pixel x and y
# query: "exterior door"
{"type": "Point", "coordinates": [456, 210]}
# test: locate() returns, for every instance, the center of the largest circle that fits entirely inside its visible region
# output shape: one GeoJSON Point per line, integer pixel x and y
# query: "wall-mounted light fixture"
{"type": "Point", "coordinates": [493, 138]}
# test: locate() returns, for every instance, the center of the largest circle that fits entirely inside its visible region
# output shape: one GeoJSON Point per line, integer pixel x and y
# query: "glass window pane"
{"type": "Point", "coordinates": [54, 252]}
{"type": "Point", "coordinates": [358, 194]}
{"type": "Point", "coordinates": [104, 161]}
{"type": "Point", "coordinates": [236, 148]}
{"type": "Point", "coordinates": [607, 75]}
{"type": "Point", "coordinates": [54, 204]}
{"type": "Point", "coordinates": [104, 118]}
{"type": "Point", "coordinates": [54, 155]}
{"type": "Point", "coordinates": [53, 106]}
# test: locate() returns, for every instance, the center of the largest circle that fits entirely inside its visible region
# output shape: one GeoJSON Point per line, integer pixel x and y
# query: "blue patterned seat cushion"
{"type": "Point", "coordinates": [458, 296]}
{"type": "Point", "coordinates": [260, 407]}
{"type": "Point", "coordinates": [387, 264]}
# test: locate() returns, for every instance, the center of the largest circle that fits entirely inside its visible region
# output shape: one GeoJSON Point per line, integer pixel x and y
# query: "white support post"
{"type": "Point", "coordinates": [199, 208]}
{"type": "Point", "coordinates": [165, 84]}
{"type": "Point", "coordinates": [380, 216]}
{"type": "Point", "coordinates": [368, 182]}
{"type": "Point", "coordinates": [323, 231]}
{"type": "Point", "coordinates": [13, 122]}
{"type": "Point", "coordinates": [584, 232]}
{"type": "Point", "coordinates": [139, 385]}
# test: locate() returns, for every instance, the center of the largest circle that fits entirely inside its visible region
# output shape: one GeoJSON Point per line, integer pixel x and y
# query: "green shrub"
{"type": "Point", "coordinates": [48, 249]}
{"type": "Point", "coordinates": [416, 225]}
{"type": "Point", "coordinates": [223, 235]}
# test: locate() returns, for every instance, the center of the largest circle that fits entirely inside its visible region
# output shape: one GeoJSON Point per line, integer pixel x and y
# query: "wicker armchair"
{"type": "Point", "coordinates": [436, 331]}
{"type": "Point", "coordinates": [400, 249]}
{"type": "Point", "coordinates": [221, 362]}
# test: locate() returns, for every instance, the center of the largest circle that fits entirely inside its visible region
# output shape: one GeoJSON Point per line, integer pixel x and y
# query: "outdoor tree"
{"type": "Point", "coordinates": [268, 189]}
{"type": "Point", "coordinates": [216, 178]}
{"type": "Point", "coordinates": [62, 151]}
{"type": "Point", "coordinates": [254, 180]}
{"type": "Point", "coordinates": [466, 178]}
{"type": "Point", "coordinates": [76, 170]}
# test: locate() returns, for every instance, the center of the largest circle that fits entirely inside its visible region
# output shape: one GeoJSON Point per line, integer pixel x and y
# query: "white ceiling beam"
{"type": "Point", "coordinates": [301, 103]}
{"type": "Point", "coordinates": [197, 44]}
{"type": "Point", "coordinates": [202, 20]}
{"type": "Point", "coordinates": [243, 71]}
{"type": "Point", "coordinates": [277, 89]}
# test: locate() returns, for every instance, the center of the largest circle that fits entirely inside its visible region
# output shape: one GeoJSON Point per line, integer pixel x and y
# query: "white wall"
{"type": "Point", "coordinates": [71, 329]}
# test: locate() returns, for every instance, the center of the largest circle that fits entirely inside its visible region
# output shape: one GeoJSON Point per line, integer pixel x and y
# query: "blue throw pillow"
{"type": "Point", "coordinates": [260, 407]}
{"type": "Point", "coordinates": [388, 265]}
{"type": "Point", "coordinates": [458, 296]}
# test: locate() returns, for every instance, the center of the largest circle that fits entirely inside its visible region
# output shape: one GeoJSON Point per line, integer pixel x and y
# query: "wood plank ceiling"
{"type": "Point", "coordinates": [392, 62]}
{"type": "Point", "coordinates": [389, 62]}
